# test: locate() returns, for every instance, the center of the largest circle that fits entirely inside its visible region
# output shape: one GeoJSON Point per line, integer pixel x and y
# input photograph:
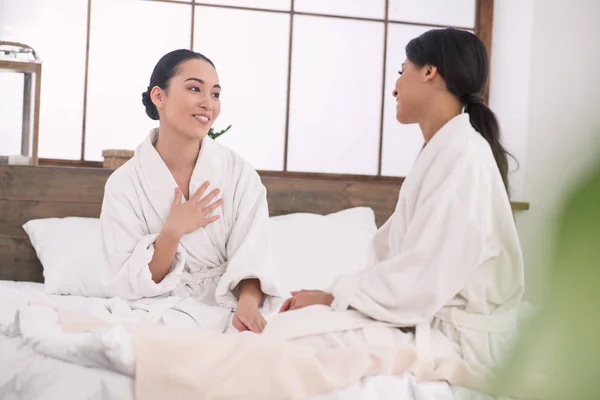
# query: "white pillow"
{"type": "Point", "coordinates": [309, 250]}
{"type": "Point", "coordinates": [70, 250]}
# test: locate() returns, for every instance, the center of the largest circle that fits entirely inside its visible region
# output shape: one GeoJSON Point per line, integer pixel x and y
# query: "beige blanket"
{"type": "Point", "coordinates": [178, 364]}
{"type": "Point", "coordinates": [188, 364]}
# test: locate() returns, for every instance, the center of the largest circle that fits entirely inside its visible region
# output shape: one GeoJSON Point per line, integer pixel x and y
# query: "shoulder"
{"type": "Point", "coordinates": [242, 177]}
{"type": "Point", "coordinates": [477, 152]}
{"type": "Point", "coordinates": [462, 159]}
{"type": "Point", "coordinates": [475, 176]}
{"type": "Point", "coordinates": [463, 148]}
{"type": "Point", "coordinates": [237, 164]}
{"type": "Point", "coordinates": [120, 183]}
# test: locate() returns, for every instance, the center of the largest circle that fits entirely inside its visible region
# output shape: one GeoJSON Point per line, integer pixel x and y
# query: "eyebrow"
{"type": "Point", "coordinates": [202, 82]}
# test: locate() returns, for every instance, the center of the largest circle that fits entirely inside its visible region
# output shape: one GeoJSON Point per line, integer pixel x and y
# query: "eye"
{"type": "Point", "coordinates": [400, 73]}
{"type": "Point", "coordinates": [217, 95]}
{"type": "Point", "coordinates": [195, 89]}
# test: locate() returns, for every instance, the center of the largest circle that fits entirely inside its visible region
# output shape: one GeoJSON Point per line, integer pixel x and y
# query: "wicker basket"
{"type": "Point", "coordinates": [114, 158]}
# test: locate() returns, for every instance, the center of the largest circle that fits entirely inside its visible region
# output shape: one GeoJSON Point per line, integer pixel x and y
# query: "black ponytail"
{"type": "Point", "coordinates": [164, 70]}
{"type": "Point", "coordinates": [462, 60]}
{"type": "Point", "coordinates": [484, 121]}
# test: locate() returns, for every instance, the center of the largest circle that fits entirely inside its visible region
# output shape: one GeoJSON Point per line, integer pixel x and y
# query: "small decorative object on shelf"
{"type": "Point", "coordinates": [114, 158]}
{"type": "Point", "coordinates": [21, 58]}
{"type": "Point", "coordinates": [17, 52]}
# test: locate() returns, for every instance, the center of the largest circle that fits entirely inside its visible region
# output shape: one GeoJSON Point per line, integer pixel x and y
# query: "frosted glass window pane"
{"type": "Point", "coordinates": [401, 143]}
{"type": "Point", "coordinates": [354, 8]}
{"type": "Point", "coordinates": [335, 95]}
{"type": "Point", "coordinates": [460, 13]}
{"type": "Point", "coordinates": [11, 113]}
{"type": "Point", "coordinates": [57, 31]}
{"type": "Point", "coordinates": [284, 5]}
{"type": "Point", "coordinates": [252, 62]}
{"type": "Point", "coordinates": [511, 80]}
{"type": "Point", "coordinates": [125, 46]}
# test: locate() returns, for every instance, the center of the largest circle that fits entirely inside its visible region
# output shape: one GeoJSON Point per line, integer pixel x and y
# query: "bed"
{"type": "Point", "coordinates": [344, 211]}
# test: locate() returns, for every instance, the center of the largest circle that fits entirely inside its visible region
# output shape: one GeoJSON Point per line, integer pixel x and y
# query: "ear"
{"type": "Point", "coordinates": [158, 97]}
{"type": "Point", "coordinates": [429, 73]}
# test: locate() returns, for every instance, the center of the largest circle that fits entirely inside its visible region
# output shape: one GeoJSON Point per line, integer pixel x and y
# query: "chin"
{"type": "Point", "coordinates": [193, 134]}
{"type": "Point", "coordinates": [403, 119]}
{"type": "Point", "coordinates": [200, 133]}
{"type": "Point", "coordinates": [203, 133]}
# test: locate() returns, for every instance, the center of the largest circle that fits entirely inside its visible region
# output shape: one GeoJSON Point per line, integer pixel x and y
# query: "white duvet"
{"type": "Point", "coordinates": [39, 361]}
{"type": "Point", "coordinates": [26, 374]}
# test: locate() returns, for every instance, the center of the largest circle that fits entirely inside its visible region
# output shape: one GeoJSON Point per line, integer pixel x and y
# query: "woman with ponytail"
{"type": "Point", "coordinates": [448, 261]}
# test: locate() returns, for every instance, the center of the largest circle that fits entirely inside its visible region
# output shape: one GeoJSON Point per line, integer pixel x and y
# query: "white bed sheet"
{"type": "Point", "coordinates": [27, 375]}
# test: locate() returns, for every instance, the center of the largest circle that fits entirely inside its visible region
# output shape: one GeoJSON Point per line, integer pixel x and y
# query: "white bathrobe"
{"type": "Point", "coordinates": [210, 262]}
{"type": "Point", "coordinates": [448, 261]}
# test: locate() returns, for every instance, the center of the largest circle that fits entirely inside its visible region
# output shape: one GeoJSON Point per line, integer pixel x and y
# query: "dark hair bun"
{"type": "Point", "coordinates": [164, 71]}
{"type": "Point", "coordinates": [150, 107]}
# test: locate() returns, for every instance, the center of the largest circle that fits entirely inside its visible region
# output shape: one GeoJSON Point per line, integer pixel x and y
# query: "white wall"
{"type": "Point", "coordinates": [563, 134]}
{"type": "Point", "coordinates": [57, 31]}
{"type": "Point", "coordinates": [510, 81]}
{"type": "Point", "coordinates": [335, 97]}
{"type": "Point", "coordinates": [123, 52]}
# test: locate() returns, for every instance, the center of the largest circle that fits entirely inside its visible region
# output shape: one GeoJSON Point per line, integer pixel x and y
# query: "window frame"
{"type": "Point", "coordinates": [484, 16]}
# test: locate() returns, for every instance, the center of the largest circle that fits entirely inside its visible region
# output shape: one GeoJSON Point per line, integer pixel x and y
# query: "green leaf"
{"type": "Point", "coordinates": [214, 135]}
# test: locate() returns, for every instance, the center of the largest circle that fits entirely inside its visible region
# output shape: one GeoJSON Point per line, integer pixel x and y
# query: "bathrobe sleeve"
{"type": "Point", "coordinates": [249, 245]}
{"type": "Point", "coordinates": [441, 248]}
{"type": "Point", "coordinates": [129, 247]}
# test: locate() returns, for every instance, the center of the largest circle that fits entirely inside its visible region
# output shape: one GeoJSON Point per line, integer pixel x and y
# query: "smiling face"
{"type": "Point", "coordinates": [411, 93]}
{"type": "Point", "coordinates": [190, 104]}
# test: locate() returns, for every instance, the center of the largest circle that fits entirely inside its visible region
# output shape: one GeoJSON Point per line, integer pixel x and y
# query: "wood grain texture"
{"type": "Point", "coordinates": [32, 192]}
{"type": "Point", "coordinates": [291, 195]}
{"type": "Point", "coordinates": [18, 261]}
{"type": "Point", "coordinates": [54, 162]}
{"type": "Point", "coordinates": [15, 213]}
{"type": "Point", "coordinates": [484, 22]}
{"type": "Point", "coordinates": [59, 184]}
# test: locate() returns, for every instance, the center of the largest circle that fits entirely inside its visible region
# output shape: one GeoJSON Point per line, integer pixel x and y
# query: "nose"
{"type": "Point", "coordinates": [395, 93]}
{"type": "Point", "coordinates": [205, 103]}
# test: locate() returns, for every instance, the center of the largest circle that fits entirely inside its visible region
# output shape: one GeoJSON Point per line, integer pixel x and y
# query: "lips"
{"type": "Point", "coordinates": [202, 118]}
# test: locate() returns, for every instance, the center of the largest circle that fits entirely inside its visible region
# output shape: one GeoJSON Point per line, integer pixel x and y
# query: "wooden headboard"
{"type": "Point", "coordinates": [28, 192]}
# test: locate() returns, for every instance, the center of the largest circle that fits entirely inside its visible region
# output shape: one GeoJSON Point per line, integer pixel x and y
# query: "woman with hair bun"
{"type": "Point", "coordinates": [187, 218]}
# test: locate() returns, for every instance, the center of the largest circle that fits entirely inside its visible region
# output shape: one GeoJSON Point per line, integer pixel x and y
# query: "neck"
{"type": "Point", "coordinates": [177, 151]}
{"type": "Point", "coordinates": [439, 112]}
